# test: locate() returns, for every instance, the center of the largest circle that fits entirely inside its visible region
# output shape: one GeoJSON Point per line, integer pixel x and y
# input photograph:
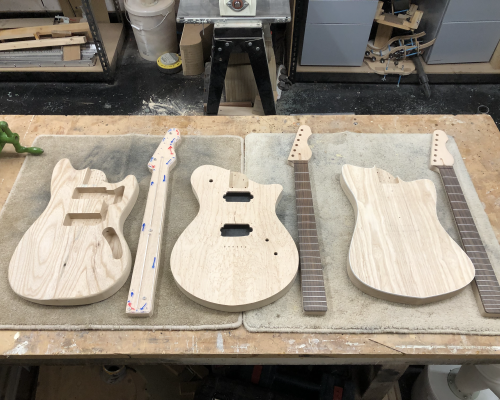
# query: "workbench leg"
{"type": "Point", "coordinates": [221, 50]}
{"type": "Point", "coordinates": [257, 54]}
{"type": "Point", "coordinates": [375, 381]}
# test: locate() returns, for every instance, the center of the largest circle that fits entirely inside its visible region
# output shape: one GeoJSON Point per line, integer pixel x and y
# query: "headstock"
{"type": "Point", "coordinates": [166, 149]}
{"type": "Point", "coordinates": [440, 157]}
{"type": "Point", "coordinates": [300, 149]}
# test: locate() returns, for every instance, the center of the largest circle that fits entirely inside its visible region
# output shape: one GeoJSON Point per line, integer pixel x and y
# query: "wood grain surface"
{"type": "Point", "coordinates": [479, 142]}
{"type": "Point", "coordinates": [75, 252]}
{"type": "Point", "coordinates": [399, 250]}
{"type": "Point", "coordinates": [234, 273]}
{"type": "Point", "coordinates": [141, 295]}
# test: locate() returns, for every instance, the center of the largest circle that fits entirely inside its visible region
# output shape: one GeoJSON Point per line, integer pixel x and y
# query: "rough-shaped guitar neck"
{"type": "Point", "coordinates": [141, 296]}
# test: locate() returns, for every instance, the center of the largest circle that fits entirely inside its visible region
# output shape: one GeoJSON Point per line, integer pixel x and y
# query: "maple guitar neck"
{"type": "Point", "coordinates": [311, 269]}
{"type": "Point", "coordinates": [141, 296]}
{"type": "Point", "coordinates": [486, 286]}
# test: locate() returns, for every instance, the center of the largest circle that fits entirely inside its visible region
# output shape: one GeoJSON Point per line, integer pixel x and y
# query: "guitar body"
{"type": "Point", "coordinates": [235, 255]}
{"type": "Point", "coordinates": [399, 250]}
{"type": "Point", "coordinates": [75, 252]}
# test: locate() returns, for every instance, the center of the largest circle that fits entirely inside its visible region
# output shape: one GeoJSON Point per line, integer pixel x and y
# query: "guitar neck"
{"type": "Point", "coordinates": [147, 261]}
{"type": "Point", "coordinates": [488, 289]}
{"type": "Point", "coordinates": [311, 268]}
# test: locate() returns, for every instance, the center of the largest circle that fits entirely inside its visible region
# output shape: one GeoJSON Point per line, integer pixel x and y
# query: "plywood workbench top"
{"type": "Point", "coordinates": [479, 142]}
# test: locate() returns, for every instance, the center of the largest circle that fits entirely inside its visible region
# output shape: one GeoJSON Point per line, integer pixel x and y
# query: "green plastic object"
{"type": "Point", "coordinates": [7, 136]}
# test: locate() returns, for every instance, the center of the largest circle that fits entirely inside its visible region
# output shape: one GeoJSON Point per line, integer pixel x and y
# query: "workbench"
{"type": "Point", "coordinates": [479, 142]}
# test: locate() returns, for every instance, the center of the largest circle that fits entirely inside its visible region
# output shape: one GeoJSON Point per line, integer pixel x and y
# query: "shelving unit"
{"type": "Point", "coordinates": [108, 38]}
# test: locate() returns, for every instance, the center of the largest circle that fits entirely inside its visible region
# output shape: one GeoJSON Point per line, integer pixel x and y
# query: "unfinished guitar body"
{"type": "Point", "coordinates": [399, 250]}
{"type": "Point", "coordinates": [235, 255]}
{"type": "Point", "coordinates": [75, 252]}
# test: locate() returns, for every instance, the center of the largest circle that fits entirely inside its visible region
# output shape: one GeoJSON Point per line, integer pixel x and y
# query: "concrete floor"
{"type": "Point", "coordinates": [140, 89]}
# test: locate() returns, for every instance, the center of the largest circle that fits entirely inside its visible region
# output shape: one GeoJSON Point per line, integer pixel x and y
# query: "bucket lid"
{"type": "Point", "coordinates": [160, 7]}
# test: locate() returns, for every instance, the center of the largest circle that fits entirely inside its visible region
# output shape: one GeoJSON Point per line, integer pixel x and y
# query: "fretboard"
{"type": "Point", "coordinates": [485, 279]}
{"type": "Point", "coordinates": [311, 268]}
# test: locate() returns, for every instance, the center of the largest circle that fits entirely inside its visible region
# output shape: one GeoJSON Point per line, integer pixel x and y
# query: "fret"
{"type": "Point", "coordinates": [311, 268]}
{"type": "Point", "coordinates": [313, 301]}
{"type": "Point", "coordinates": [485, 278]}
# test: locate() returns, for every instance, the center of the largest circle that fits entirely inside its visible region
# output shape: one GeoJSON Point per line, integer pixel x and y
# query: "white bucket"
{"type": "Point", "coordinates": [154, 27]}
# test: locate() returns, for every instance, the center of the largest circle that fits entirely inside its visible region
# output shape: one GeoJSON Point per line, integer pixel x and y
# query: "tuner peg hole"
{"type": "Point", "coordinates": [296, 145]}
{"type": "Point", "coordinates": [293, 155]}
{"type": "Point", "coordinates": [294, 149]}
{"type": "Point", "coordinates": [275, 253]}
{"type": "Point", "coordinates": [302, 129]}
{"type": "Point", "coordinates": [267, 240]}
{"type": "Point", "coordinates": [435, 160]}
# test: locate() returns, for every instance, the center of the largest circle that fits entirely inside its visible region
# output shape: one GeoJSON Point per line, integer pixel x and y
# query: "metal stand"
{"type": "Point", "coordinates": [239, 37]}
{"type": "Point", "coordinates": [96, 35]}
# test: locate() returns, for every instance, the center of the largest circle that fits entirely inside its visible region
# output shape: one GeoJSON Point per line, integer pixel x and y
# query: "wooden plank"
{"type": "Point", "coordinates": [96, 265]}
{"type": "Point", "coordinates": [30, 44]}
{"type": "Point", "coordinates": [71, 53]}
{"type": "Point", "coordinates": [28, 32]}
{"type": "Point", "coordinates": [205, 258]}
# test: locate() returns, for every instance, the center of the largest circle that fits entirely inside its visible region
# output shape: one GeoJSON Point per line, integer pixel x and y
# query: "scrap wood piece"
{"type": "Point", "coordinates": [29, 32]}
{"type": "Point", "coordinates": [71, 53]}
{"type": "Point", "coordinates": [409, 20]}
{"type": "Point", "coordinates": [195, 47]}
{"type": "Point", "coordinates": [27, 44]}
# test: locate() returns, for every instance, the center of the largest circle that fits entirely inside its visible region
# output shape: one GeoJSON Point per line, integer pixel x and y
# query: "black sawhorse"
{"type": "Point", "coordinates": [238, 38]}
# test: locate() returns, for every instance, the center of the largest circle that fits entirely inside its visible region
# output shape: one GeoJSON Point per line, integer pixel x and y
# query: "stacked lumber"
{"type": "Point", "coordinates": [48, 45]}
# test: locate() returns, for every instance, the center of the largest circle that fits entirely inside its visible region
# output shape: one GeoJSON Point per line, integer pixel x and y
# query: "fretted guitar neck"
{"type": "Point", "coordinates": [311, 269]}
{"type": "Point", "coordinates": [485, 285]}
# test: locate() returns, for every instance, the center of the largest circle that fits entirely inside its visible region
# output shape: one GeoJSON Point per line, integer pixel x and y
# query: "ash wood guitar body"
{"type": "Point", "coordinates": [235, 255]}
{"type": "Point", "coordinates": [399, 250]}
{"type": "Point", "coordinates": [75, 252]}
